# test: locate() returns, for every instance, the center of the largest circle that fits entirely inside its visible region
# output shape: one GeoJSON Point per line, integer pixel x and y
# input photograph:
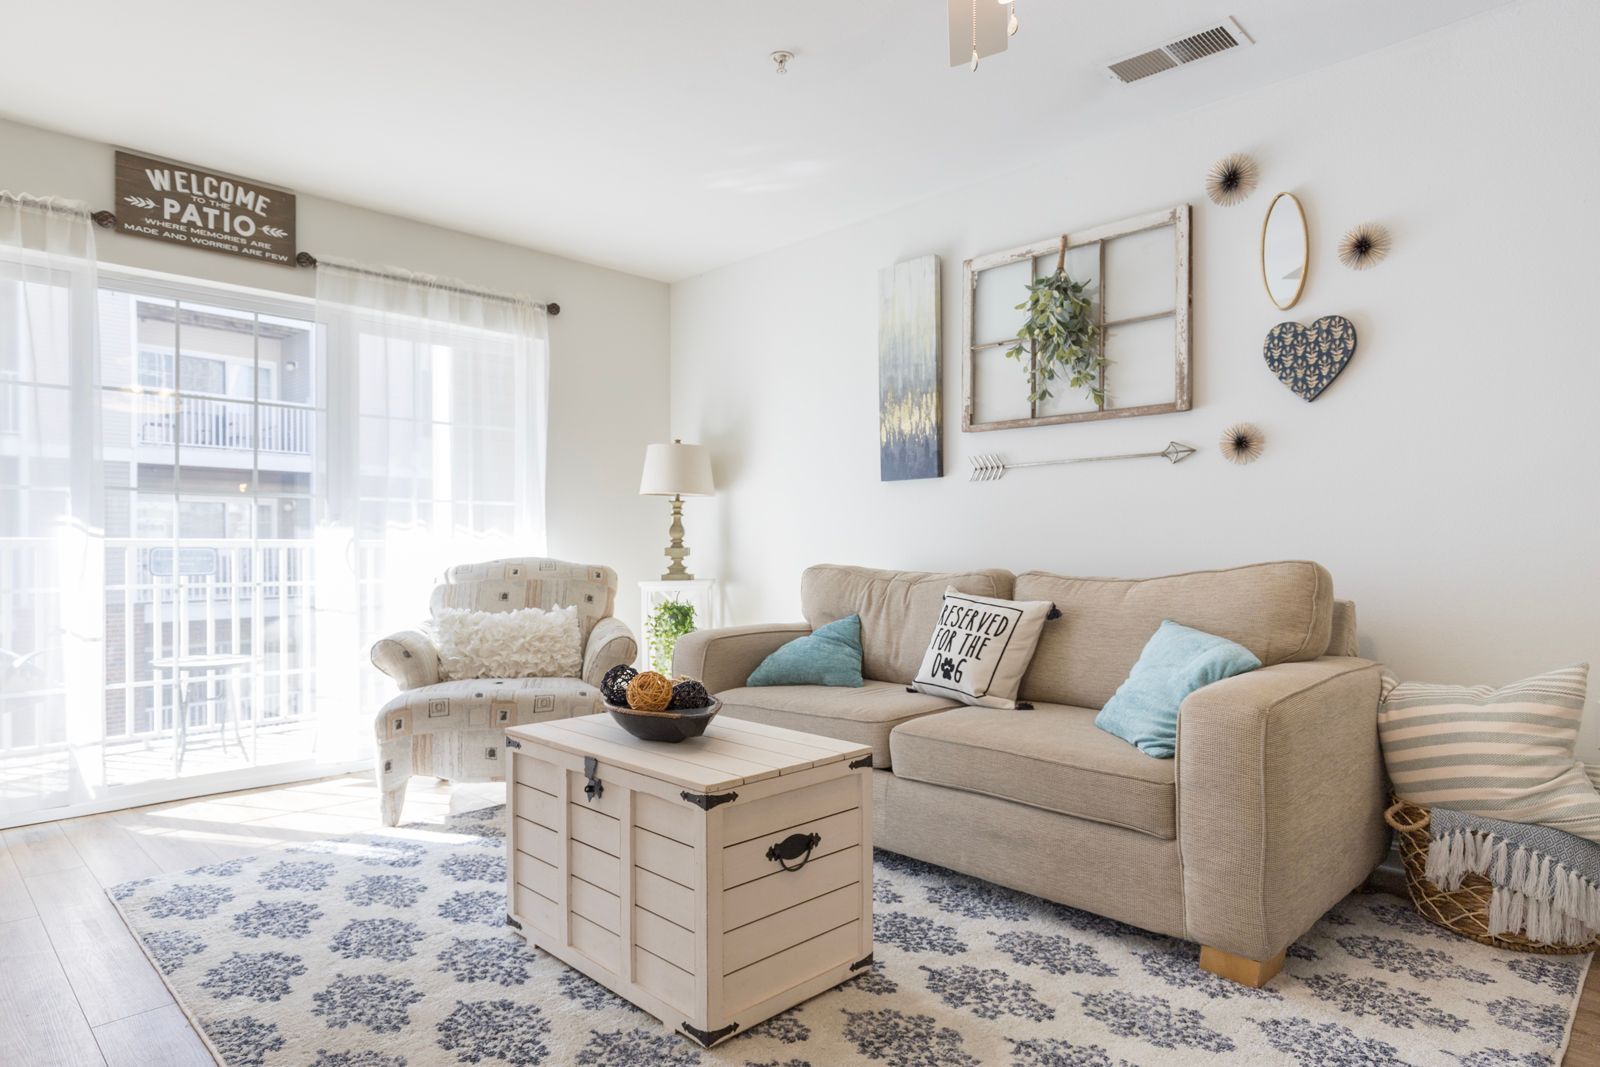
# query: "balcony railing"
{"type": "Point", "coordinates": [255, 603]}
{"type": "Point", "coordinates": [240, 425]}
{"type": "Point", "coordinates": [254, 599]}
{"type": "Point", "coordinates": [227, 570]}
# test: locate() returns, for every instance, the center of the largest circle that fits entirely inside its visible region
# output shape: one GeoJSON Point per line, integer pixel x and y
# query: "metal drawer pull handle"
{"type": "Point", "coordinates": [793, 847]}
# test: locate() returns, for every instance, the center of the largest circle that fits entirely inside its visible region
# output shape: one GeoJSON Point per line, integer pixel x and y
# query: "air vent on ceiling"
{"type": "Point", "coordinates": [1220, 37]}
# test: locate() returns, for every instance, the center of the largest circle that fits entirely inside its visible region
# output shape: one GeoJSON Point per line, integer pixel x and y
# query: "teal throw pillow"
{"type": "Point", "coordinates": [1175, 662]}
{"type": "Point", "coordinates": [829, 655]}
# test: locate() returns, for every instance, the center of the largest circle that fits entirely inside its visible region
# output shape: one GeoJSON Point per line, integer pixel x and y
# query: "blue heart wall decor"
{"type": "Point", "coordinates": [1308, 358]}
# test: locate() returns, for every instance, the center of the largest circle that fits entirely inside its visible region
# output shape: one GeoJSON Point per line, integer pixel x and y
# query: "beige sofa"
{"type": "Point", "coordinates": [1270, 813]}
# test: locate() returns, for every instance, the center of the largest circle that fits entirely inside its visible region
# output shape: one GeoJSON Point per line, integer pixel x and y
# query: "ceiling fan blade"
{"type": "Point", "coordinates": [992, 36]}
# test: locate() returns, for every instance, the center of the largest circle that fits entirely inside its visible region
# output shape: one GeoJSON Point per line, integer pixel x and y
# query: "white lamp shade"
{"type": "Point", "coordinates": [676, 470]}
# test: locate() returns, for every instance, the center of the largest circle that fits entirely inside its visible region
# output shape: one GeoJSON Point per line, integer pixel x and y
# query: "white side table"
{"type": "Point", "coordinates": [698, 593]}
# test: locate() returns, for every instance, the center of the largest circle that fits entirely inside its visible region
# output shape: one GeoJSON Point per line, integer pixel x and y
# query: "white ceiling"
{"type": "Point", "coordinates": [648, 135]}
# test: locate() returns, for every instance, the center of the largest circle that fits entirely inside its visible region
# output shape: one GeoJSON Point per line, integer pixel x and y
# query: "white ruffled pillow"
{"type": "Point", "coordinates": [525, 643]}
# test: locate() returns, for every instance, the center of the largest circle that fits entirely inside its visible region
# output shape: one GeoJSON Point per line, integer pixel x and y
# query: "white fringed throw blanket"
{"type": "Point", "coordinates": [1546, 882]}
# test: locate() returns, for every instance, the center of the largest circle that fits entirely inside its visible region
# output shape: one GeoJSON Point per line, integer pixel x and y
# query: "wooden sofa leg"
{"type": "Point", "coordinates": [393, 800]}
{"type": "Point", "coordinates": [1253, 973]}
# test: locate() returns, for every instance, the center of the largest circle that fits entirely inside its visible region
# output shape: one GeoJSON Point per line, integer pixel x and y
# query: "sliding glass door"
{"type": "Point", "coordinates": [210, 419]}
{"type": "Point", "coordinates": [212, 502]}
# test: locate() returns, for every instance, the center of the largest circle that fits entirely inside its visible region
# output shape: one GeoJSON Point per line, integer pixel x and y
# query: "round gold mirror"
{"type": "Point", "coordinates": [1285, 251]}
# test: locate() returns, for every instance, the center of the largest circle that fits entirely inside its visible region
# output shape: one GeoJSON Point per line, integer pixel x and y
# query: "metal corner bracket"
{"type": "Point", "coordinates": [707, 801]}
{"type": "Point", "coordinates": [707, 1038]}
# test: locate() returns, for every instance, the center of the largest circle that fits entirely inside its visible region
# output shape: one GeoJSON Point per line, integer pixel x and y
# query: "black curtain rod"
{"type": "Point", "coordinates": [108, 220]}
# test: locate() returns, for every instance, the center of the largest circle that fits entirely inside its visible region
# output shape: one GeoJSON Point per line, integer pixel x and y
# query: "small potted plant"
{"type": "Point", "coordinates": [668, 621]}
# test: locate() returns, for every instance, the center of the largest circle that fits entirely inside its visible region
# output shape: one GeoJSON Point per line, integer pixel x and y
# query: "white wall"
{"type": "Point", "coordinates": [1450, 479]}
{"type": "Point", "coordinates": [608, 345]}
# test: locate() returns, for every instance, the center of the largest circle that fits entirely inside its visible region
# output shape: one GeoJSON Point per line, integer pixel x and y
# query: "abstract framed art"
{"type": "Point", "coordinates": [910, 438]}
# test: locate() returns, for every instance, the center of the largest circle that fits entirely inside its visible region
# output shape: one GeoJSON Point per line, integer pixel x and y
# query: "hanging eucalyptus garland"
{"type": "Point", "coordinates": [1060, 336]}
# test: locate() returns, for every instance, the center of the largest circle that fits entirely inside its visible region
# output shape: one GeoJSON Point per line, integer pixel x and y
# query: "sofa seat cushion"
{"type": "Point", "coordinates": [864, 716]}
{"type": "Point", "coordinates": [1050, 756]}
{"type": "Point", "coordinates": [486, 703]}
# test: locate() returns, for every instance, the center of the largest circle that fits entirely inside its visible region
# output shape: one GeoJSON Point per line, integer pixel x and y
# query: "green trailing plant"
{"type": "Point", "coordinates": [1060, 339]}
{"type": "Point", "coordinates": [668, 621]}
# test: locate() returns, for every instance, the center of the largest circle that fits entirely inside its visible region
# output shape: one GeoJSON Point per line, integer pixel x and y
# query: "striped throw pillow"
{"type": "Point", "coordinates": [1506, 753]}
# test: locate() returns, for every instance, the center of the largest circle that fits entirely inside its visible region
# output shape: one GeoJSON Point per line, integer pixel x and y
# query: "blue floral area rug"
{"type": "Point", "coordinates": [390, 949]}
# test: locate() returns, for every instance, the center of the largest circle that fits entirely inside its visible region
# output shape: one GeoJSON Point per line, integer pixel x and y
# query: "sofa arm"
{"type": "Point", "coordinates": [723, 658]}
{"type": "Point", "coordinates": [1280, 800]}
{"type": "Point", "coordinates": [611, 644]}
{"type": "Point", "coordinates": [409, 657]}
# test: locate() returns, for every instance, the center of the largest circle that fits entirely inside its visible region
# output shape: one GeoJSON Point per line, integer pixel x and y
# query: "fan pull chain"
{"type": "Point", "coordinates": [974, 35]}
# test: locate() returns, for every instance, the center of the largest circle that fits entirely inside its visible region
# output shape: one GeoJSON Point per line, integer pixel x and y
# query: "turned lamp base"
{"type": "Point", "coordinates": [676, 549]}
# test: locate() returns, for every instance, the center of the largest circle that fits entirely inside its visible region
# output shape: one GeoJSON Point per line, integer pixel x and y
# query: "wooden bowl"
{"type": "Point", "coordinates": [666, 726]}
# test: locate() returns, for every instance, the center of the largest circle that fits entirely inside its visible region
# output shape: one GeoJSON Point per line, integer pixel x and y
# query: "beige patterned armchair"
{"type": "Point", "coordinates": [454, 728]}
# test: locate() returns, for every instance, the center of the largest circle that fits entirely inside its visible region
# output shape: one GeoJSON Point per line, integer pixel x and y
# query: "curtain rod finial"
{"type": "Point", "coordinates": [553, 308]}
{"type": "Point", "coordinates": [305, 259]}
{"type": "Point", "coordinates": [104, 219]}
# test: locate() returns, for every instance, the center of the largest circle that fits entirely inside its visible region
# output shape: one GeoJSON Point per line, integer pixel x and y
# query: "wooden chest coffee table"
{"type": "Point", "coordinates": [714, 883]}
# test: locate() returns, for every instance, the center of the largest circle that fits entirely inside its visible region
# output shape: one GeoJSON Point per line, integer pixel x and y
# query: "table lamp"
{"type": "Point", "coordinates": [676, 470]}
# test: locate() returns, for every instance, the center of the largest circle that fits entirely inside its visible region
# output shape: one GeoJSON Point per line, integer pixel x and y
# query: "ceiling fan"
{"type": "Point", "coordinates": [979, 28]}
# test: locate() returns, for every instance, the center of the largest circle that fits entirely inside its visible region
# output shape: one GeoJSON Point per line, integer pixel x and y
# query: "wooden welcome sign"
{"type": "Point", "coordinates": [204, 209]}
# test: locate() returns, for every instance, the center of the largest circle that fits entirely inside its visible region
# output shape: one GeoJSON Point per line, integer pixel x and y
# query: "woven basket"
{"type": "Point", "coordinates": [1466, 910]}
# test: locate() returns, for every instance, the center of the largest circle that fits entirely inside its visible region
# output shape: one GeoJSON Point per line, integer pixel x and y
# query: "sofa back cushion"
{"type": "Point", "coordinates": [1343, 640]}
{"type": "Point", "coordinates": [1281, 612]}
{"type": "Point", "coordinates": [898, 609]}
{"type": "Point", "coordinates": [530, 582]}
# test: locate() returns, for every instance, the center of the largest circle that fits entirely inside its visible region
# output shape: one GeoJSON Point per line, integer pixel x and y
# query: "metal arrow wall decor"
{"type": "Point", "coordinates": [988, 467]}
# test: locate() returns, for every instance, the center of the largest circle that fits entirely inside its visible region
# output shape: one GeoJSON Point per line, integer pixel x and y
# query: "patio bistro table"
{"type": "Point", "coordinates": [184, 669]}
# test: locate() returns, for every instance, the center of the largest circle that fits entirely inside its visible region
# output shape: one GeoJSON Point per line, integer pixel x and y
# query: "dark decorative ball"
{"type": "Point", "coordinates": [614, 686]}
{"type": "Point", "coordinates": [689, 694]}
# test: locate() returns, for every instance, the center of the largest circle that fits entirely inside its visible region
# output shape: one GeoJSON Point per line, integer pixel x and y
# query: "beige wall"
{"type": "Point", "coordinates": [608, 345]}
{"type": "Point", "coordinates": [1450, 480]}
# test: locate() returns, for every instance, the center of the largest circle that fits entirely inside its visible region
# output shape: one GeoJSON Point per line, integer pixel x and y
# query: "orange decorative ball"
{"type": "Point", "coordinates": [650, 691]}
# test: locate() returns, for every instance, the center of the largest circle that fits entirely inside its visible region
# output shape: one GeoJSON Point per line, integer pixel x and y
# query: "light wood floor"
{"type": "Point", "coordinates": [76, 990]}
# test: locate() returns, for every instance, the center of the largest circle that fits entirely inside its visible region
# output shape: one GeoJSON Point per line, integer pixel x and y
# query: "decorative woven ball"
{"type": "Point", "coordinates": [614, 686]}
{"type": "Point", "coordinates": [688, 694]}
{"type": "Point", "coordinates": [649, 691]}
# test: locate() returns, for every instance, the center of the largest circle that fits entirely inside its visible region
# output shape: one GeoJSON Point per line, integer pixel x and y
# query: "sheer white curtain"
{"type": "Point", "coordinates": [52, 558]}
{"type": "Point", "coordinates": [437, 410]}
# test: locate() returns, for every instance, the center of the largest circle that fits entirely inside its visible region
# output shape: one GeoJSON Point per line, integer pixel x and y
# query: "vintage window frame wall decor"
{"type": "Point", "coordinates": [1178, 219]}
